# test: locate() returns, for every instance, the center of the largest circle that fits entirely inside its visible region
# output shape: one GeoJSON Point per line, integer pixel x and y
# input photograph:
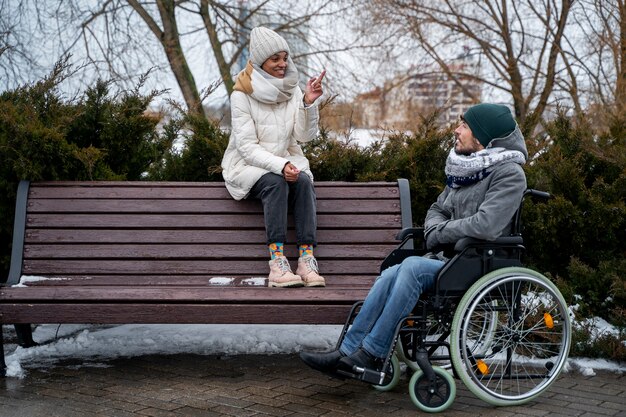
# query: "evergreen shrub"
{"type": "Point", "coordinates": [97, 136]}
{"type": "Point", "coordinates": [578, 236]}
{"type": "Point", "coordinates": [198, 153]}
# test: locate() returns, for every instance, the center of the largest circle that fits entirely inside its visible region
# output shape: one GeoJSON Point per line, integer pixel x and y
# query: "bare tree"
{"type": "Point", "coordinates": [518, 43]}
{"type": "Point", "coordinates": [198, 43]}
{"type": "Point", "coordinates": [598, 53]}
{"type": "Point", "coordinates": [14, 30]}
{"type": "Point", "coordinates": [169, 36]}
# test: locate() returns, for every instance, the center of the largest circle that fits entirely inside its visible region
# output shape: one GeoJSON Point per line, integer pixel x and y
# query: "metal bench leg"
{"type": "Point", "coordinates": [25, 335]}
{"type": "Point", "coordinates": [3, 364]}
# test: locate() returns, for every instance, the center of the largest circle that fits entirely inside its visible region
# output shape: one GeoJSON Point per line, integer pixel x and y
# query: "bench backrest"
{"type": "Point", "coordinates": [170, 233]}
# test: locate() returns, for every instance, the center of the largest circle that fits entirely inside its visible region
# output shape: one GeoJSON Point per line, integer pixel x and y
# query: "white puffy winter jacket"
{"type": "Point", "coordinates": [264, 138]}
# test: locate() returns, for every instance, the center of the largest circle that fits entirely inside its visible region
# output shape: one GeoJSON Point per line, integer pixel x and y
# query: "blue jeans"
{"type": "Point", "coordinates": [391, 298]}
{"type": "Point", "coordinates": [278, 197]}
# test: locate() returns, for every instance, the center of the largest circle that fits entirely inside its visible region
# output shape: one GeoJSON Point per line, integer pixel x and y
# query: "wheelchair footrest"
{"type": "Point", "coordinates": [369, 376]}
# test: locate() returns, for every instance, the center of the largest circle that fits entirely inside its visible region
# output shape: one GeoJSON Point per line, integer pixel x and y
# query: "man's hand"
{"type": "Point", "coordinates": [431, 240]}
{"type": "Point", "coordinates": [290, 172]}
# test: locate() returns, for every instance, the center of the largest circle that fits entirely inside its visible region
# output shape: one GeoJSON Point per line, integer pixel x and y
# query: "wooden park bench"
{"type": "Point", "coordinates": [166, 252]}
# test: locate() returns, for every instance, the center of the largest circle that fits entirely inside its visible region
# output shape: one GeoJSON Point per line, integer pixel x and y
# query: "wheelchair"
{"type": "Point", "coordinates": [502, 329]}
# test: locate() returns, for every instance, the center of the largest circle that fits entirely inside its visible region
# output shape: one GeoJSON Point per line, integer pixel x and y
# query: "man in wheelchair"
{"type": "Point", "coordinates": [484, 188]}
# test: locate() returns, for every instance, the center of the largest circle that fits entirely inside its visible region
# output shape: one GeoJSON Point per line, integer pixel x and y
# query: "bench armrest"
{"type": "Point", "coordinates": [417, 233]}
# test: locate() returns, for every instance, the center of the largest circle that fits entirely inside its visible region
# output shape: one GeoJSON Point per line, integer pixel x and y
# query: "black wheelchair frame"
{"type": "Point", "coordinates": [487, 315]}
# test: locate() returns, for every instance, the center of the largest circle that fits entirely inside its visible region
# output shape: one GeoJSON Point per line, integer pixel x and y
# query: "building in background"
{"type": "Point", "coordinates": [400, 102]}
{"type": "Point", "coordinates": [243, 35]}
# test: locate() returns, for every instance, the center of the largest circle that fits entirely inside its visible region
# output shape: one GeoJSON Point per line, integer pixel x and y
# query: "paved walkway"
{"type": "Point", "coordinates": [253, 385]}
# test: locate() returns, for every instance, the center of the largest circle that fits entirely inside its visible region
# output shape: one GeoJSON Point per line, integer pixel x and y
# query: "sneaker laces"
{"type": "Point", "coordinates": [311, 263]}
{"type": "Point", "coordinates": [283, 264]}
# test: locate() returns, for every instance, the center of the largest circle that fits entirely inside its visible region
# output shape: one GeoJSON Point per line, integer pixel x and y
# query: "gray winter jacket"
{"type": "Point", "coordinates": [483, 210]}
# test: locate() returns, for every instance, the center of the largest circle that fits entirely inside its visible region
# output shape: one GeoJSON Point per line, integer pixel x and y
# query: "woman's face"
{"type": "Point", "coordinates": [276, 65]}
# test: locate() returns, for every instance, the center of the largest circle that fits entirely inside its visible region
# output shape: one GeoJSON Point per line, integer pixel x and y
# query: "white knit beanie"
{"type": "Point", "coordinates": [264, 43]}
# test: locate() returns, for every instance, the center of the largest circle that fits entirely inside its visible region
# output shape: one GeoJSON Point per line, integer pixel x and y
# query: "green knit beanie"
{"type": "Point", "coordinates": [489, 121]}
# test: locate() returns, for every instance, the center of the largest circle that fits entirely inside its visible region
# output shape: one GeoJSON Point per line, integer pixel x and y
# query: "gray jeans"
{"type": "Point", "coordinates": [278, 197]}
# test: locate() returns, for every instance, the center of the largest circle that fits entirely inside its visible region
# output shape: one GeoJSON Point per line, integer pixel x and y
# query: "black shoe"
{"type": "Point", "coordinates": [323, 362]}
{"type": "Point", "coordinates": [362, 359]}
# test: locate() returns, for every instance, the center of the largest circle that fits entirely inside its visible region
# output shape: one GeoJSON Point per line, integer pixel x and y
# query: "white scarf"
{"type": "Point", "coordinates": [260, 85]}
{"type": "Point", "coordinates": [463, 170]}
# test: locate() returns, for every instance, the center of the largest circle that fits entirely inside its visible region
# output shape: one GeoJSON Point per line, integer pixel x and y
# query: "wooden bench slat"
{"type": "Point", "coordinates": [210, 268]}
{"type": "Point", "coordinates": [188, 184]}
{"type": "Point", "coordinates": [189, 294]}
{"type": "Point", "coordinates": [229, 221]}
{"type": "Point", "coordinates": [196, 251]}
{"type": "Point", "coordinates": [175, 313]}
{"type": "Point", "coordinates": [69, 205]}
{"type": "Point", "coordinates": [327, 236]}
{"type": "Point", "coordinates": [343, 281]}
{"type": "Point", "coordinates": [132, 190]}
{"type": "Point", "coordinates": [175, 191]}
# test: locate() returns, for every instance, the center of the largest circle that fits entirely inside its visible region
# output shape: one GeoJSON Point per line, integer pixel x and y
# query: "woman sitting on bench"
{"type": "Point", "coordinates": [270, 115]}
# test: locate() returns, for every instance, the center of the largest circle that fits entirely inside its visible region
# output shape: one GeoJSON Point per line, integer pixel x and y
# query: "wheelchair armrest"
{"type": "Point", "coordinates": [501, 241]}
{"type": "Point", "coordinates": [414, 232]}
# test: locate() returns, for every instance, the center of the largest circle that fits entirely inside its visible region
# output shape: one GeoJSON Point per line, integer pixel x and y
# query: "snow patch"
{"type": "Point", "coordinates": [25, 279]}
{"type": "Point", "coordinates": [221, 281]}
{"type": "Point", "coordinates": [255, 281]}
{"type": "Point", "coordinates": [102, 343]}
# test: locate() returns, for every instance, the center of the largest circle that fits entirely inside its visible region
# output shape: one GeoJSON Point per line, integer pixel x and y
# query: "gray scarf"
{"type": "Point", "coordinates": [464, 170]}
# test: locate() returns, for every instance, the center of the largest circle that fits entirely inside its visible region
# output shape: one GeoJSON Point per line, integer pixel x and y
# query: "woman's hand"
{"type": "Point", "coordinates": [290, 172]}
{"type": "Point", "coordinates": [313, 89]}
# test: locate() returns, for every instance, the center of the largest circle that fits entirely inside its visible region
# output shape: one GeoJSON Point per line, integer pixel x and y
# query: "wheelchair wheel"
{"type": "Point", "coordinates": [392, 375]}
{"type": "Point", "coordinates": [432, 397]}
{"type": "Point", "coordinates": [528, 343]}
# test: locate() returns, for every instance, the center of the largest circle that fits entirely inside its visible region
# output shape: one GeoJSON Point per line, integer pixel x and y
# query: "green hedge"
{"type": "Point", "coordinates": [98, 136]}
{"type": "Point", "coordinates": [578, 237]}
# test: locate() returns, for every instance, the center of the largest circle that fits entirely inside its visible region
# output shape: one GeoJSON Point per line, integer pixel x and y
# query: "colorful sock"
{"type": "Point", "coordinates": [305, 250]}
{"type": "Point", "coordinates": [276, 249]}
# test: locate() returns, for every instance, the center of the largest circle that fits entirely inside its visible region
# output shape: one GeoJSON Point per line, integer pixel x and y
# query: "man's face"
{"type": "Point", "coordinates": [276, 65]}
{"type": "Point", "coordinates": [465, 143]}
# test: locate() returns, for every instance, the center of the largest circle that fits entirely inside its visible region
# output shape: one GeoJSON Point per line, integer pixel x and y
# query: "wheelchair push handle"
{"type": "Point", "coordinates": [543, 195]}
{"type": "Point", "coordinates": [517, 219]}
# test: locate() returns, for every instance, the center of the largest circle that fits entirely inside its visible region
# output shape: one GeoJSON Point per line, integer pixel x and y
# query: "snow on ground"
{"type": "Point", "coordinates": [95, 344]}
{"type": "Point", "coordinates": [364, 137]}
